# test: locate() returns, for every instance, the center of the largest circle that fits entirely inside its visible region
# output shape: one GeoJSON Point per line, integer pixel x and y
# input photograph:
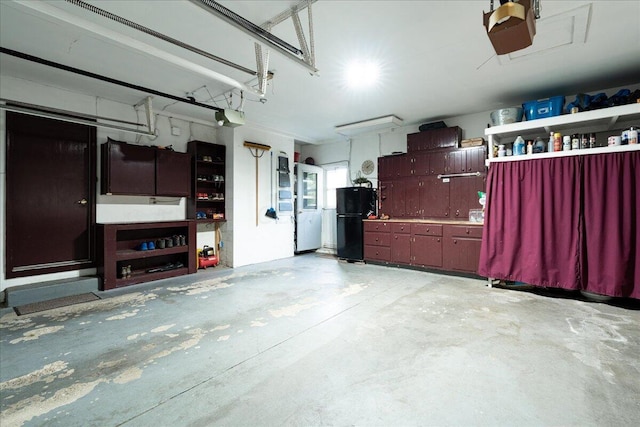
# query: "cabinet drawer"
{"type": "Point", "coordinates": [377, 253]}
{"type": "Point", "coordinates": [465, 231]}
{"type": "Point", "coordinates": [376, 226]}
{"type": "Point", "coordinates": [401, 227]}
{"type": "Point", "coordinates": [376, 239]}
{"type": "Point", "coordinates": [426, 229]}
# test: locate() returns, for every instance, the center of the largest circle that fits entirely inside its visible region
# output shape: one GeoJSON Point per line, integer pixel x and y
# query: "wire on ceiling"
{"type": "Point", "coordinates": [156, 34]}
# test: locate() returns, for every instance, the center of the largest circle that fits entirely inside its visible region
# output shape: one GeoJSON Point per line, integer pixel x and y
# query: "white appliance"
{"type": "Point", "coordinates": [308, 206]}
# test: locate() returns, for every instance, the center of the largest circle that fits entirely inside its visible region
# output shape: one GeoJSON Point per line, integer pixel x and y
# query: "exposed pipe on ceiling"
{"type": "Point", "coordinates": [158, 35]}
{"type": "Point", "coordinates": [144, 48]}
{"type": "Point", "coordinates": [59, 66]}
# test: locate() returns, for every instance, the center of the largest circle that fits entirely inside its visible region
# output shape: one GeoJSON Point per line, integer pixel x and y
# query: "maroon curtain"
{"type": "Point", "coordinates": [611, 230]}
{"type": "Point", "coordinates": [532, 223]}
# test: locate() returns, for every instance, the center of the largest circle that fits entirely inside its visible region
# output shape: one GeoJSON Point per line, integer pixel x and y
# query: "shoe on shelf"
{"type": "Point", "coordinates": [143, 246]}
{"type": "Point", "coordinates": [151, 246]}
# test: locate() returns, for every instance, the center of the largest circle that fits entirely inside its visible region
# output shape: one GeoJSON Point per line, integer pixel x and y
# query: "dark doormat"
{"type": "Point", "coordinates": [55, 303]}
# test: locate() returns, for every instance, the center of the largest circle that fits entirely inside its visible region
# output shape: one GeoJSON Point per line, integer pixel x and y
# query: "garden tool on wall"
{"type": "Point", "coordinates": [257, 151]}
{"type": "Point", "coordinates": [271, 212]}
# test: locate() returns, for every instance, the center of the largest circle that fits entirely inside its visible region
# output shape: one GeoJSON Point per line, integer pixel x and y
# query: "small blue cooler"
{"type": "Point", "coordinates": [543, 108]}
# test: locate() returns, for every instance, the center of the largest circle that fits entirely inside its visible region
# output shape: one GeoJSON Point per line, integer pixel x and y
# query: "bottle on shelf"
{"type": "Point", "coordinates": [550, 148]}
{"type": "Point", "coordinates": [557, 141]}
{"type": "Point", "coordinates": [566, 143]}
{"type": "Point", "coordinates": [530, 147]}
{"type": "Point", "coordinates": [575, 141]}
{"type": "Point", "coordinates": [518, 146]}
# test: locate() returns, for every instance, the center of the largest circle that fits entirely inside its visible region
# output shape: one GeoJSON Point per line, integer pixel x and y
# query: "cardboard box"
{"type": "Point", "coordinates": [513, 34]}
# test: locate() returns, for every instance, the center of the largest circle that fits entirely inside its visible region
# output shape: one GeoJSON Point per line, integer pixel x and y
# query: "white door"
{"type": "Point", "coordinates": [309, 208]}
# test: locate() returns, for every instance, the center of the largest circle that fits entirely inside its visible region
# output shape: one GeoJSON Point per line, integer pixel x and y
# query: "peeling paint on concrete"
{"type": "Point", "coordinates": [293, 310]}
{"type": "Point", "coordinates": [24, 410]}
{"type": "Point", "coordinates": [128, 375]}
{"type": "Point", "coordinates": [257, 324]}
{"type": "Point", "coordinates": [224, 337]}
{"type": "Point", "coordinates": [353, 289]}
{"type": "Point", "coordinates": [220, 328]}
{"type": "Point", "coordinates": [47, 371]}
{"type": "Point", "coordinates": [124, 315]}
{"type": "Point", "coordinates": [34, 334]}
{"type": "Point", "coordinates": [163, 328]}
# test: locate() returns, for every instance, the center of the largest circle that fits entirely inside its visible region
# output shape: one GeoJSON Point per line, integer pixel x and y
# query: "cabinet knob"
{"type": "Point", "coordinates": [455, 242]}
{"type": "Point", "coordinates": [467, 231]}
{"type": "Point", "coordinates": [438, 240]}
{"type": "Point", "coordinates": [427, 230]}
{"type": "Point", "coordinates": [82, 202]}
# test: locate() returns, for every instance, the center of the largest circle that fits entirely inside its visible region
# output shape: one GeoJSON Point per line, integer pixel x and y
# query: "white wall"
{"type": "Point", "coordinates": [270, 239]}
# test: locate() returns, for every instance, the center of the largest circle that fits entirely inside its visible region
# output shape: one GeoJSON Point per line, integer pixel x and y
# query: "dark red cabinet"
{"type": "Point", "coordinates": [463, 193]}
{"type": "Point", "coordinates": [208, 182]}
{"type": "Point", "coordinates": [461, 248]}
{"type": "Point", "coordinates": [136, 170]}
{"type": "Point", "coordinates": [434, 197]}
{"type": "Point", "coordinates": [173, 173]}
{"type": "Point", "coordinates": [449, 247]}
{"type": "Point", "coordinates": [400, 243]}
{"type": "Point", "coordinates": [433, 139]}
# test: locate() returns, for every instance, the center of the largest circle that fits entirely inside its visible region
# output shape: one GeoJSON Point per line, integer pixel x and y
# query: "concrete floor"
{"type": "Point", "coordinates": [310, 341]}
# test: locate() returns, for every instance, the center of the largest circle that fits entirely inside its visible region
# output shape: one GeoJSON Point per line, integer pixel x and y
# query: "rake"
{"type": "Point", "coordinates": [257, 151]}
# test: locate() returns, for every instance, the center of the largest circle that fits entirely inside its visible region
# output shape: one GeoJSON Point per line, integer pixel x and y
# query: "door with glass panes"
{"type": "Point", "coordinates": [308, 207]}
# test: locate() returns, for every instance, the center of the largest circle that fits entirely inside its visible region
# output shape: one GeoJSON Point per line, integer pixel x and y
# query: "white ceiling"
{"type": "Point", "coordinates": [436, 59]}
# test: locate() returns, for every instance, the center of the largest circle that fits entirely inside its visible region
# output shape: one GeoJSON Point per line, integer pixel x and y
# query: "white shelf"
{"type": "Point", "coordinates": [585, 152]}
{"type": "Point", "coordinates": [587, 122]}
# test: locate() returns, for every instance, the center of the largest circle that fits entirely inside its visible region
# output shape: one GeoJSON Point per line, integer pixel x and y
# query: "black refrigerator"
{"type": "Point", "coordinates": [353, 204]}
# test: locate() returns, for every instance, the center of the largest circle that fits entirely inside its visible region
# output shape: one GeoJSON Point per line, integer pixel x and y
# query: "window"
{"type": "Point", "coordinates": [336, 176]}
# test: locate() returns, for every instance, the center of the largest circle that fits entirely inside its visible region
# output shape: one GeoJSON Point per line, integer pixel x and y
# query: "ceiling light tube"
{"type": "Point", "coordinates": [378, 123]}
{"type": "Point", "coordinates": [144, 48]}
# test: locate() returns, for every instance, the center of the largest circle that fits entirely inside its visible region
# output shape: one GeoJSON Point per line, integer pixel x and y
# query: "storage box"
{"type": "Point", "coordinates": [513, 34]}
{"type": "Point", "coordinates": [543, 108]}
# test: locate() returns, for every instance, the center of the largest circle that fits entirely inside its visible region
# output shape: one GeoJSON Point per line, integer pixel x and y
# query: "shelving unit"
{"type": "Point", "coordinates": [118, 245]}
{"type": "Point", "coordinates": [208, 180]}
{"type": "Point", "coordinates": [603, 120]}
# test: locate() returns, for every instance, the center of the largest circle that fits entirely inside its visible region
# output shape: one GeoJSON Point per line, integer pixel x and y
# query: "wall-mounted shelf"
{"type": "Point", "coordinates": [207, 202]}
{"type": "Point", "coordinates": [586, 122]}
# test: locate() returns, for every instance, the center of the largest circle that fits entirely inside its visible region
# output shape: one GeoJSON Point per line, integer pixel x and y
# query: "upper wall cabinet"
{"type": "Point", "coordinates": [436, 138]}
{"type": "Point", "coordinates": [137, 170]}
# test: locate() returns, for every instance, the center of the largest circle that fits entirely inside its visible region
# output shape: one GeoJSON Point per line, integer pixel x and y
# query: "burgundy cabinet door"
{"type": "Point", "coordinates": [128, 169]}
{"type": "Point", "coordinates": [385, 167]}
{"type": "Point", "coordinates": [457, 161]}
{"type": "Point", "coordinates": [401, 248]}
{"type": "Point", "coordinates": [426, 251]}
{"type": "Point", "coordinates": [434, 198]}
{"type": "Point", "coordinates": [385, 197]}
{"type": "Point", "coordinates": [402, 165]}
{"type": "Point", "coordinates": [438, 163]}
{"type": "Point", "coordinates": [476, 157]}
{"type": "Point", "coordinates": [464, 195]}
{"type": "Point", "coordinates": [419, 164]}
{"type": "Point", "coordinates": [461, 248]}
{"type": "Point", "coordinates": [173, 173]}
{"type": "Point", "coordinates": [412, 197]}
{"type": "Point", "coordinates": [398, 198]}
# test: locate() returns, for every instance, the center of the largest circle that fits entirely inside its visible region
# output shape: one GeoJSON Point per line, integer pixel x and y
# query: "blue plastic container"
{"type": "Point", "coordinates": [543, 108]}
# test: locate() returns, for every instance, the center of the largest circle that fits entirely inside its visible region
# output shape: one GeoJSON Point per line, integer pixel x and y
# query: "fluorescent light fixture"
{"type": "Point", "coordinates": [370, 125]}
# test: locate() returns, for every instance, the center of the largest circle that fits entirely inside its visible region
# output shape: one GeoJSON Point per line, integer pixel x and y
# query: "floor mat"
{"type": "Point", "coordinates": [55, 303]}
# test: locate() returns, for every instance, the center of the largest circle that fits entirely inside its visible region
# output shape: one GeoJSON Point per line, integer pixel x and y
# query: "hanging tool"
{"type": "Point", "coordinates": [271, 212]}
{"type": "Point", "coordinates": [257, 151]}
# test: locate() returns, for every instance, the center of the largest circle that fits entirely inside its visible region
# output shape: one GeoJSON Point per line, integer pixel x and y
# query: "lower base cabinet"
{"type": "Point", "coordinates": [461, 248]}
{"type": "Point", "coordinates": [449, 247]}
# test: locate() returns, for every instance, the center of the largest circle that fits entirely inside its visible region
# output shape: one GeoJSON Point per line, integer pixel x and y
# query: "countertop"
{"type": "Point", "coordinates": [426, 221]}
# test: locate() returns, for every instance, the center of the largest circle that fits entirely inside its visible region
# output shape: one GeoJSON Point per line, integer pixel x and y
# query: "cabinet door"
{"type": "Point", "coordinates": [398, 198]}
{"type": "Point", "coordinates": [438, 163]}
{"type": "Point", "coordinates": [412, 197]}
{"type": "Point", "coordinates": [385, 167]}
{"type": "Point", "coordinates": [426, 251]}
{"type": "Point", "coordinates": [461, 254]}
{"type": "Point", "coordinates": [476, 157]}
{"type": "Point", "coordinates": [402, 165]}
{"type": "Point", "coordinates": [419, 164]}
{"type": "Point", "coordinates": [434, 198]}
{"type": "Point", "coordinates": [385, 197]}
{"type": "Point", "coordinates": [461, 248]}
{"type": "Point", "coordinates": [401, 248]}
{"type": "Point", "coordinates": [464, 195]}
{"type": "Point", "coordinates": [128, 169]}
{"type": "Point", "coordinates": [457, 161]}
{"type": "Point", "coordinates": [173, 173]}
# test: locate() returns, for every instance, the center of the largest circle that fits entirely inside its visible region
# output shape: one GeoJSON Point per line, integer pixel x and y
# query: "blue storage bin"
{"type": "Point", "coordinates": [543, 108]}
